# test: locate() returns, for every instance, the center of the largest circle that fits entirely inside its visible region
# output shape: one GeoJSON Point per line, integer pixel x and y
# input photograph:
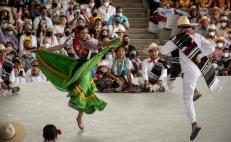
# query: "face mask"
{"type": "Point", "coordinates": [212, 34]}
{"type": "Point", "coordinates": [109, 57]}
{"type": "Point", "coordinates": [46, 45]}
{"type": "Point", "coordinates": [220, 44]}
{"type": "Point", "coordinates": [28, 33]}
{"type": "Point", "coordinates": [28, 47]}
{"type": "Point", "coordinates": [223, 24]}
{"type": "Point", "coordinates": [10, 57]}
{"type": "Point", "coordinates": [9, 33]}
{"type": "Point", "coordinates": [94, 14]}
{"type": "Point", "coordinates": [125, 42]}
{"type": "Point", "coordinates": [78, 11]}
{"type": "Point", "coordinates": [106, 4]}
{"type": "Point", "coordinates": [215, 65]}
{"type": "Point", "coordinates": [226, 54]}
{"type": "Point", "coordinates": [120, 14]}
{"type": "Point", "coordinates": [92, 4]}
{"type": "Point", "coordinates": [67, 33]}
{"type": "Point", "coordinates": [72, 55]}
{"type": "Point", "coordinates": [49, 34]}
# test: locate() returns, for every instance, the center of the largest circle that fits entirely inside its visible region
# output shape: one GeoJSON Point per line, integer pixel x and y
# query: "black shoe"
{"type": "Point", "coordinates": [195, 133]}
{"type": "Point", "coordinates": [196, 95]}
{"type": "Point", "coordinates": [15, 89]}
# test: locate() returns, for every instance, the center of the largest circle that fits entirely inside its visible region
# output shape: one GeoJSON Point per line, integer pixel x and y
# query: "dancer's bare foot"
{"type": "Point", "coordinates": [80, 123]}
{"type": "Point", "coordinates": [195, 131]}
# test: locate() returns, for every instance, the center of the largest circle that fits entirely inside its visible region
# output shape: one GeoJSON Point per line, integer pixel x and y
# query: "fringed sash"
{"type": "Point", "coordinates": [190, 48]}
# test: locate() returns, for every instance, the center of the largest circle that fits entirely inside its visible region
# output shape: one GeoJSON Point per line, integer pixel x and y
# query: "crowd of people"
{"type": "Point", "coordinates": [39, 24]}
{"type": "Point", "coordinates": [210, 18]}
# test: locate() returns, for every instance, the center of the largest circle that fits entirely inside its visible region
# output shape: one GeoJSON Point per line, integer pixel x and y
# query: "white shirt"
{"type": "Point", "coordinates": [130, 66]}
{"type": "Point", "coordinates": [147, 68]}
{"type": "Point", "coordinates": [106, 12]}
{"type": "Point", "coordinates": [40, 78]}
{"type": "Point", "coordinates": [19, 80]}
{"type": "Point", "coordinates": [186, 64]}
{"type": "Point", "coordinates": [37, 21]}
{"type": "Point", "coordinates": [58, 29]}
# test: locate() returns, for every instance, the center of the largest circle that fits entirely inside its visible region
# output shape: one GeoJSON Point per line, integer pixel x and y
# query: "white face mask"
{"type": "Point", "coordinates": [226, 55]}
{"type": "Point", "coordinates": [220, 44]}
{"type": "Point", "coordinates": [92, 4]}
{"type": "Point", "coordinates": [106, 4]}
{"type": "Point", "coordinates": [120, 14]}
{"type": "Point", "coordinates": [215, 65]}
{"type": "Point", "coordinates": [223, 24]}
{"type": "Point", "coordinates": [212, 33]}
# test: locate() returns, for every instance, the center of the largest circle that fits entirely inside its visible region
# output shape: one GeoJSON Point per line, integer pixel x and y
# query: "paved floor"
{"type": "Point", "coordinates": [127, 118]}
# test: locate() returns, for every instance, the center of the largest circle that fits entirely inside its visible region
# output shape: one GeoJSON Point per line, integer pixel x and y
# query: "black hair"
{"type": "Point", "coordinates": [121, 46]}
{"type": "Point", "coordinates": [118, 7]}
{"type": "Point", "coordinates": [49, 132]}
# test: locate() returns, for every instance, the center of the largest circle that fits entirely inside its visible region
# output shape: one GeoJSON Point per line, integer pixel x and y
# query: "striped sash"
{"type": "Point", "coordinates": [155, 73]}
{"type": "Point", "coordinates": [190, 48]}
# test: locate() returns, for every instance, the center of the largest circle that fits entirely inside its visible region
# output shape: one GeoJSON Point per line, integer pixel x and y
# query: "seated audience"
{"type": "Point", "coordinates": [50, 133]}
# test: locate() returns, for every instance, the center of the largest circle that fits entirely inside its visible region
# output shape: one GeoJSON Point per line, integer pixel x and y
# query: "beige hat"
{"type": "Point", "coordinates": [3, 49]}
{"type": "Point", "coordinates": [204, 18]}
{"type": "Point", "coordinates": [220, 39]}
{"type": "Point", "coordinates": [150, 47]}
{"type": "Point", "coordinates": [12, 132]}
{"type": "Point", "coordinates": [212, 27]}
{"type": "Point", "coordinates": [183, 21]}
{"type": "Point", "coordinates": [224, 18]}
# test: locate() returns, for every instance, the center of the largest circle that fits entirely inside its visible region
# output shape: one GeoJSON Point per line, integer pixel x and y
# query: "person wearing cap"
{"type": "Point", "coordinates": [7, 75]}
{"type": "Point", "coordinates": [154, 69]}
{"type": "Point", "coordinates": [203, 28]}
{"type": "Point", "coordinates": [27, 35]}
{"type": "Point", "coordinates": [194, 13]}
{"type": "Point", "coordinates": [123, 19]}
{"type": "Point", "coordinates": [43, 15]}
{"type": "Point", "coordinates": [8, 33]}
{"type": "Point", "coordinates": [12, 132]}
{"type": "Point", "coordinates": [106, 10]}
{"type": "Point", "coordinates": [186, 60]}
{"type": "Point", "coordinates": [223, 26]}
{"type": "Point", "coordinates": [116, 29]}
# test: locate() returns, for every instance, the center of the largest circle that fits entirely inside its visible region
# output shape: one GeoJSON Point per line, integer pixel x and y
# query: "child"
{"type": "Point", "coordinates": [50, 133]}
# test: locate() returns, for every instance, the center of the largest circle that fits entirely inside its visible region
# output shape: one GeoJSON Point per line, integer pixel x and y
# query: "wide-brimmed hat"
{"type": "Point", "coordinates": [224, 18]}
{"type": "Point", "coordinates": [220, 39]}
{"type": "Point", "coordinates": [212, 27]}
{"type": "Point", "coordinates": [3, 49]}
{"type": "Point", "coordinates": [12, 132]}
{"type": "Point", "coordinates": [150, 47]}
{"type": "Point", "coordinates": [183, 21]}
{"type": "Point", "coordinates": [5, 8]}
{"type": "Point", "coordinates": [204, 18]}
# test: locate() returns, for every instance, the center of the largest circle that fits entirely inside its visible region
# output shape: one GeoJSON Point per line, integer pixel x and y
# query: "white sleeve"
{"type": "Point", "coordinates": [145, 70]}
{"type": "Point", "coordinates": [12, 76]}
{"type": "Point", "coordinates": [206, 47]}
{"type": "Point", "coordinates": [36, 22]}
{"type": "Point", "coordinates": [130, 65]}
{"type": "Point", "coordinates": [163, 74]}
{"type": "Point", "coordinates": [168, 48]}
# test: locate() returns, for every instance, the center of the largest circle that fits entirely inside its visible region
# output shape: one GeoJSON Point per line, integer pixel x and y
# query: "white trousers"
{"type": "Point", "coordinates": [189, 84]}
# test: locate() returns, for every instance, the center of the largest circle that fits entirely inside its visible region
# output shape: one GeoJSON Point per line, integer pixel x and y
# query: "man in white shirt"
{"type": "Point", "coordinates": [189, 66]}
{"type": "Point", "coordinates": [106, 10]}
{"type": "Point", "coordinates": [154, 70]}
{"type": "Point", "coordinates": [43, 12]}
{"type": "Point", "coordinates": [35, 75]}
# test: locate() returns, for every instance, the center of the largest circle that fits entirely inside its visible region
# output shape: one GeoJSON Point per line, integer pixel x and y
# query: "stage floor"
{"type": "Point", "coordinates": [127, 117]}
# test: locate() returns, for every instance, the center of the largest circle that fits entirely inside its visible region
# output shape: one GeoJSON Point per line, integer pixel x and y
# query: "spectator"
{"type": "Point", "coordinates": [106, 10]}
{"type": "Point", "coordinates": [217, 54]}
{"type": "Point", "coordinates": [71, 53]}
{"type": "Point", "coordinates": [116, 29]}
{"type": "Point", "coordinates": [43, 15]}
{"type": "Point", "coordinates": [28, 34]}
{"type": "Point", "coordinates": [17, 10]}
{"type": "Point", "coordinates": [55, 11]}
{"type": "Point", "coordinates": [203, 9]}
{"type": "Point", "coordinates": [123, 19]}
{"type": "Point", "coordinates": [59, 28]}
{"type": "Point", "coordinates": [12, 132]}
{"type": "Point", "coordinates": [225, 62]}
{"type": "Point", "coordinates": [194, 14]}
{"type": "Point", "coordinates": [153, 5]}
{"type": "Point", "coordinates": [223, 26]}
{"type": "Point", "coordinates": [50, 133]}
{"type": "Point", "coordinates": [96, 28]}
{"type": "Point", "coordinates": [35, 9]}
{"type": "Point", "coordinates": [6, 15]}
{"type": "Point", "coordinates": [136, 62]}
{"type": "Point", "coordinates": [224, 5]}
{"type": "Point", "coordinates": [228, 39]}
{"type": "Point", "coordinates": [19, 78]}
{"type": "Point", "coordinates": [212, 34]}
{"type": "Point", "coordinates": [49, 39]}
{"type": "Point", "coordinates": [91, 4]}
{"type": "Point", "coordinates": [8, 34]}
{"type": "Point", "coordinates": [94, 16]}
{"type": "Point", "coordinates": [67, 35]}
{"type": "Point", "coordinates": [7, 76]}
{"type": "Point", "coordinates": [35, 75]}
{"type": "Point", "coordinates": [70, 10]}
{"type": "Point", "coordinates": [127, 45]}
{"type": "Point", "coordinates": [154, 70]}
{"type": "Point", "coordinates": [203, 29]}
{"type": "Point", "coordinates": [215, 15]}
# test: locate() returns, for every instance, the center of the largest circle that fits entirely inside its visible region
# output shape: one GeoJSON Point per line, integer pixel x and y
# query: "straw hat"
{"type": "Point", "coordinates": [12, 132]}
{"type": "Point", "coordinates": [150, 47]}
{"type": "Point", "coordinates": [3, 49]}
{"type": "Point", "coordinates": [183, 21]}
{"type": "Point", "coordinates": [204, 18]}
{"type": "Point", "coordinates": [220, 39]}
{"type": "Point", "coordinates": [5, 8]}
{"type": "Point", "coordinates": [224, 18]}
{"type": "Point", "coordinates": [212, 27]}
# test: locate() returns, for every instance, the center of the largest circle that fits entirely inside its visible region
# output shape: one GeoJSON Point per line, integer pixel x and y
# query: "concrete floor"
{"type": "Point", "coordinates": [127, 118]}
